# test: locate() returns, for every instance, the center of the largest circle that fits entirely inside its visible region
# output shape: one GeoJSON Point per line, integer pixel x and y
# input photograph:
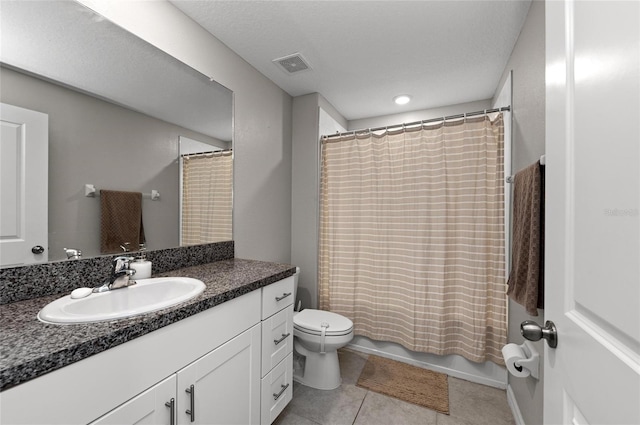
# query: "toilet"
{"type": "Point", "coordinates": [317, 336]}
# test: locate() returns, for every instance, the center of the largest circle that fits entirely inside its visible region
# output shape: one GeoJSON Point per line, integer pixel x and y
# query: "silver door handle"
{"type": "Point", "coordinates": [192, 411]}
{"type": "Point", "coordinates": [534, 332]}
{"type": "Point", "coordinates": [171, 404]}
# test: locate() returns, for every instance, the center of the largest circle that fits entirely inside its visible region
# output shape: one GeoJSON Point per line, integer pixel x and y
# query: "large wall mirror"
{"type": "Point", "coordinates": [122, 115]}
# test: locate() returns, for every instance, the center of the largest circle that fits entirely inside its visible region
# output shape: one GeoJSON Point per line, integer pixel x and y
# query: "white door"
{"type": "Point", "coordinates": [152, 407]}
{"type": "Point", "coordinates": [223, 387]}
{"type": "Point", "coordinates": [24, 138]}
{"type": "Point", "coordinates": [592, 212]}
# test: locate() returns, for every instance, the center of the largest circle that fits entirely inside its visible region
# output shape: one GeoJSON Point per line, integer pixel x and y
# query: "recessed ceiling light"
{"type": "Point", "coordinates": [402, 99]}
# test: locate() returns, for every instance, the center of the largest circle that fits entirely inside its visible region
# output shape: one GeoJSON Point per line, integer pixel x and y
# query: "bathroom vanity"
{"type": "Point", "coordinates": [223, 357]}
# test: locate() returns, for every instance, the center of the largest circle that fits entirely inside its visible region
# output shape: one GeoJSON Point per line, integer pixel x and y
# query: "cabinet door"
{"type": "Point", "coordinates": [146, 408]}
{"type": "Point", "coordinates": [223, 387]}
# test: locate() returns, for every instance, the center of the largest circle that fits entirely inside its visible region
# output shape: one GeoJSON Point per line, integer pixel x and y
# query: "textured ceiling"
{"type": "Point", "coordinates": [363, 53]}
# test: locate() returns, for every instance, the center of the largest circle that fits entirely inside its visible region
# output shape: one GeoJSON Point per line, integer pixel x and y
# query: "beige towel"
{"type": "Point", "coordinates": [526, 277]}
{"type": "Point", "coordinates": [120, 220]}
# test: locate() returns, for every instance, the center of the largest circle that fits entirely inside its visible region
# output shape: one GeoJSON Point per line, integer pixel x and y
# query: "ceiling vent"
{"type": "Point", "coordinates": [293, 64]}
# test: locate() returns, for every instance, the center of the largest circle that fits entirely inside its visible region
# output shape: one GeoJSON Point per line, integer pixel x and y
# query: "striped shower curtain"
{"type": "Point", "coordinates": [207, 198]}
{"type": "Point", "coordinates": [412, 236]}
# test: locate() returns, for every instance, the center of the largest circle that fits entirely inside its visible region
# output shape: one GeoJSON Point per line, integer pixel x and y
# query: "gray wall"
{"type": "Point", "coordinates": [528, 64]}
{"type": "Point", "coordinates": [93, 141]}
{"type": "Point", "coordinates": [424, 114]}
{"type": "Point", "coordinates": [305, 187]}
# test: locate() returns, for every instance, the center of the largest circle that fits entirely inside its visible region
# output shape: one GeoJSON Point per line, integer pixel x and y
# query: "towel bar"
{"type": "Point", "coordinates": [91, 192]}
{"type": "Point", "coordinates": [543, 161]}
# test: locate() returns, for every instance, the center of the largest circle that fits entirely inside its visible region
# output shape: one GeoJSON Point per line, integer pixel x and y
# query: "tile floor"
{"type": "Point", "coordinates": [469, 403]}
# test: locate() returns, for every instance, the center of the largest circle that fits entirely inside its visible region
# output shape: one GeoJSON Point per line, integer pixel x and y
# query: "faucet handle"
{"type": "Point", "coordinates": [120, 263]}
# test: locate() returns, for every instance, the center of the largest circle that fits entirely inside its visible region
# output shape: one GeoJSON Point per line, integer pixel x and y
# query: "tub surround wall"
{"type": "Point", "coordinates": [31, 348]}
{"type": "Point", "coordinates": [60, 277]}
{"type": "Point", "coordinates": [487, 373]}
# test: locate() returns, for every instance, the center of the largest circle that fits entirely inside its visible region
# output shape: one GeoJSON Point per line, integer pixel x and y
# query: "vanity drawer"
{"type": "Point", "coordinates": [277, 338]}
{"type": "Point", "coordinates": [277, 390]}
{"type": "Point", "coordinates": [277, 296]}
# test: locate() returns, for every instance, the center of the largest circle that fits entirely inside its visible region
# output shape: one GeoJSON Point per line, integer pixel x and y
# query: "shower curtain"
{"type": "Point", "coordinates": [412, 236]}
{"type": "Point", "coordinates": [207, 197]}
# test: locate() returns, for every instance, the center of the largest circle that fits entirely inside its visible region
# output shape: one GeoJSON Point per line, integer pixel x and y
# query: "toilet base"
{"type": "Point", "coordinates": [320, 371]}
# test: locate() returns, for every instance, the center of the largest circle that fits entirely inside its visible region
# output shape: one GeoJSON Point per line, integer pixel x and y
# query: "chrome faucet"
{"type": "Point", "coordinates": [72, 254]}
{"type": "Point", "coordinates": [120, 275]}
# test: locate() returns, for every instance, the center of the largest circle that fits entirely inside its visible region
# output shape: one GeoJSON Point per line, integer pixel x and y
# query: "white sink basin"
{"type": "Point", "coordinates": [145, 296]}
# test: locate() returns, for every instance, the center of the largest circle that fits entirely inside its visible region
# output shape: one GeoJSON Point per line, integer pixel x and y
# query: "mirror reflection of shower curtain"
{"type": "Point", "coordinates": [207, 198]}
{"type": "Point", "coordinates": [412, 236]}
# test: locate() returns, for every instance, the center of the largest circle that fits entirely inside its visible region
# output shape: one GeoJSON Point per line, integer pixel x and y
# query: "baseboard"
{"type": "Point", "coordinates": [436, 368]}
{"type": "Point", "coordinates": [513, 404]}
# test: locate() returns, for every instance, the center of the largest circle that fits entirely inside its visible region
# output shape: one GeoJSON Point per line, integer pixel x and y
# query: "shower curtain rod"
{"type": "Point", "coordinates": [220, 152]}
{"type": "Point", "coordinates": [412, 124]}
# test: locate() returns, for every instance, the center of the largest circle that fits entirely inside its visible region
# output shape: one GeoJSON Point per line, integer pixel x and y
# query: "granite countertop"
{"type": "Point", "coordinates": [30, 348]}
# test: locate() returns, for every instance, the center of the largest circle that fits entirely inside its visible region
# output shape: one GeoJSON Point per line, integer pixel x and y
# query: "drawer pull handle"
{"type": "Point", "coordinates": [283, 388]}
{"type": "Point", "coordinates": [284, 336]}
{"type": "Point", "coordinates": [285, 295]}
{"type": "Point", "coordinates": [192, 395]}
{"type": "Point", "coordinates": [171, 404]}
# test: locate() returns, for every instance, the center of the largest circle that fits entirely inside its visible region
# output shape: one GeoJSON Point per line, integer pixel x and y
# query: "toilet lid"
{"type": "Point", "coordinates": [309, 320]}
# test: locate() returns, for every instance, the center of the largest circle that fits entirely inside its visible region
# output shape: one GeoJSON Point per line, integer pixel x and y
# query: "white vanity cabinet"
{"type": "Point", "coordinates": [277, 349]}
{"type": "Point", "coordinates": [220, 351]}
{"type": "Point", "coordinates": [221, 387]}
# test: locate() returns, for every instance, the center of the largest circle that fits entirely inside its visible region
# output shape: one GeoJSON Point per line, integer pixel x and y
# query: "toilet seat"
{"type": "Point", "coordinates": [320, 322]}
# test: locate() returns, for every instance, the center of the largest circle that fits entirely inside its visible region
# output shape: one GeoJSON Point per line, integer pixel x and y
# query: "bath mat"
{"type": "Point", "coordinates": [406, 382]}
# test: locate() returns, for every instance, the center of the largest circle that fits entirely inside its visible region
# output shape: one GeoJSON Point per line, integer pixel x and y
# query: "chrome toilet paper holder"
{"type": "Point", "coordinates": [532, 362]}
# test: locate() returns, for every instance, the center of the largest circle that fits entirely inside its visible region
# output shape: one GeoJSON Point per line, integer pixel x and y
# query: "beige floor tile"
{"type": "Point", "coordinates": [335, 407]}
{"type": "Point", "coordinates": [289, 418]}
{"type": "Point", "coordinates": [448, 420]}
{"type": "Point", "coordinates": [351, 364]}
{"type": "Point", "coordinates": [478, 404]}
{"type": "Point", "coordinates": [469, 403]}
{"type": "Point", "coordinates": [378, 409]}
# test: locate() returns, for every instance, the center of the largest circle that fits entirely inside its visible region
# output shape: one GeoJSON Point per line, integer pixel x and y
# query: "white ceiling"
{"type": "Point", "coordinates": [363, 53]}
